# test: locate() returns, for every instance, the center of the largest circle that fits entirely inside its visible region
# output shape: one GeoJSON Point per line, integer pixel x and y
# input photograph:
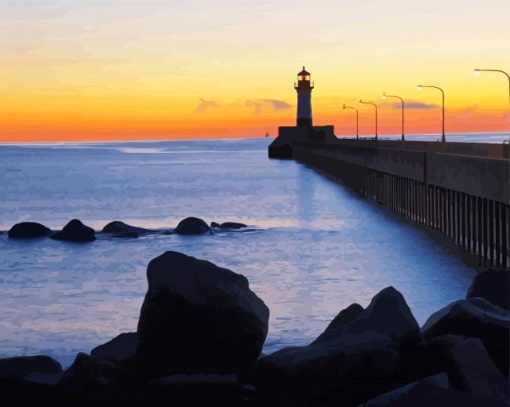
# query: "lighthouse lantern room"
{"type": "Point", "coordinates": [304, 98]}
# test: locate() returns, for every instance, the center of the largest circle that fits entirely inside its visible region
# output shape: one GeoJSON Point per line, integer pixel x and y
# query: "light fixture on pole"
{"type": "Point", "coordinates": [420, 87]}
{"type": "Point", "coordinates": [385, 96]}
{"type": "Point", "coordinates": [357, 119]}
{"type": "Point", "coordinates": [363, 102]}
{"type": "Point", "coordinates": [478, 71]}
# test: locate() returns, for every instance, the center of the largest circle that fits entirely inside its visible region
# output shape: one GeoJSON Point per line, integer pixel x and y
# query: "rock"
{"type": "Point", "coordinates": [198, 318]}
{"type": "Point", "coordinates": [199, 390]}
{"type": "Point", "coordinates": [121, 348]}
{"type": "Point", "coordinates": [192, 226]}
{"type": "Point", "coordinates": [128, 235]}
{"type": "Point", "coordinates": [75, 231]}
{"type": "Point", "coordinates": [228, 225]}
{"type": "Point", "coordinates": [16, 392]}
{"type": "Point", "coordinates": [117, 227]}
{"type": "Point", "coordinates": [474, 318]}
{"type": "Point", "coordinates": [430, 391]}
{"type": "Point", "coordinates": [494, 286]}
{"type": "Point", "coordinates": [23, 366]}
{"type": "Point", "coordinates": [357, 356]}
{"type": "Point", "coordinates": [28, 230]}
{"type": "Point", "coordinates": [90, 375]}
{"type": "Point", "coordinates": [344, 317]}
{"type": "Point", "coordinates": [470, 368]}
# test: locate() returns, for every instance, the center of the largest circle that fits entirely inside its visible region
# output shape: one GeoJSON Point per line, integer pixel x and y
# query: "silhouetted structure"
{"type": "Point", "coordinates": [460, 189]}
{"type": "Point", "coordinates": [304, 130]}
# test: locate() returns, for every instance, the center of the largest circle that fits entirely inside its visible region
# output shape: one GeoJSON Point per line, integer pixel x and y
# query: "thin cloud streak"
{"type": "Point", "coordinates": [273, 104]}
{"type": "Point", "coordinates": [206, 105]}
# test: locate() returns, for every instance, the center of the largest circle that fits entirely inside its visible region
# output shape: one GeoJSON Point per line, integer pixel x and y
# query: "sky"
{"type": "Point", "coordinates": [108, 70]}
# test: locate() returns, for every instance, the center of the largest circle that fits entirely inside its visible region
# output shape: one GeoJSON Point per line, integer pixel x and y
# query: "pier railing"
{"type": "Point", "coordinates": [461, 190]}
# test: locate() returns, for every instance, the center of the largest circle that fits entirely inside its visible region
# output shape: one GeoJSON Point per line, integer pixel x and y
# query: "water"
{"type": "Point", "coordinates": [312, 247]}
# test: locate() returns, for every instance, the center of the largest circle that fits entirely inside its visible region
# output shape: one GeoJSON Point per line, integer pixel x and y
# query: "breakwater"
{"type": "Point", "coordinates": [459, 189]}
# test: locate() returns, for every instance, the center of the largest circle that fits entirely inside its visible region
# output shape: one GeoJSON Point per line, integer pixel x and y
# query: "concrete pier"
{"type": "Point", "coordinates": [459, 189]}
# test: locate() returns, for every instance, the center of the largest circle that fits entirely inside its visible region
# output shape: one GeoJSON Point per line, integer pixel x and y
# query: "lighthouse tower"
{"type": "Point", "coordinates": [304, 98]}
{"type": "Point", "coordinates": [304, 131]}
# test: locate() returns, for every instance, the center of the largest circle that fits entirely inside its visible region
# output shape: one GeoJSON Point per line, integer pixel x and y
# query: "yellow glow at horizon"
{"type": "Point", "coordinates": [90, 68]}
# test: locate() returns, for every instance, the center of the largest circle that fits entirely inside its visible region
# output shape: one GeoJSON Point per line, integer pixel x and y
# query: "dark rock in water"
{"type": "Point", "coordinates": [118, 227]}
{"type": "Point", "coordinates": [75, 231]}
{"type": "Point", "coordinates": [470, 368]}
{"type": "Point", "coordinates": [90, 375]}
{"type": "Point", "coordinates": [356, 357]}
{"type": "Point", "coordinates": [432, 391]}
{"type": "Point", "coordinates": [474, 318]}
{"type": "Point", "coordinates": [28, 230]}
{"type": "Point", "coordinates": [228, 225]}
{"type": "Point", "coordinates": [126, 235]}
{"type": "Point", "coordinates": [23, 366]}
{"type": "Point", "coordinates": [192, 226]}
{"type": "Point", "coordinates": [198, 318]}
{"type": "Point", "coordinates": [494, 286]}
{"type": "Point", "coordinates": [120, 348]}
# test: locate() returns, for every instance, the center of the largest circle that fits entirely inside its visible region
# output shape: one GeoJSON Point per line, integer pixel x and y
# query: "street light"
{"type": "Point", "coordinates": [478, 71]}
{"type": "Point", "coordinates": [357, 119]}
{"type": "Point", "coordinates": [385, 96]}
{"type": "Point", "coordinates": [362, 102]}
{"type": "Point", "coordinates": [443, 138]}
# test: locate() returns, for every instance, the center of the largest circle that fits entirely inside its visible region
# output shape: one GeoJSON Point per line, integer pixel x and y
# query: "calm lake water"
{"type": "Point", "coordinates": [312, 247]}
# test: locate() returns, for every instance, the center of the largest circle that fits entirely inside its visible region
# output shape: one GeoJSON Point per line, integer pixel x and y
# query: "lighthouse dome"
{"type": "Point", "coordinates": [304, 72]}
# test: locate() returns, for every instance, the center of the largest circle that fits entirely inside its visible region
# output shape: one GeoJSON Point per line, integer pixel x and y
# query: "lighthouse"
{"type": "Point", "coordinates": [304, 132]}
{"type": "Point", "coordinates": [304, 99]}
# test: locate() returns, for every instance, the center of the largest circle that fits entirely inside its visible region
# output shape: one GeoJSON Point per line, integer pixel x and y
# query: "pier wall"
{"type": "Point", "coordinates": [465, 197]}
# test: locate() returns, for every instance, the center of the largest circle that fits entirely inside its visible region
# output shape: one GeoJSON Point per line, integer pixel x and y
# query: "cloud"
{"type": "Point", "coordinates": [205, 105]}
{"type": "Point", "coordinates": [274, 104]}
{"type": "Point", "coordinates": [415, 105]}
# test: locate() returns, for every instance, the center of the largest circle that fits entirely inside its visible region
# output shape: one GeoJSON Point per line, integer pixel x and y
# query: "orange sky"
{"type": "Point", "coordinates": [155, 70]}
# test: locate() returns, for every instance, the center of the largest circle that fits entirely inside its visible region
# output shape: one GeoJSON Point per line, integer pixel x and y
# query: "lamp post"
{"type": "Point", "coordinates": [443, 138]}
{"type": "Point", "coordinates": [385, 96]}
{"type": "Point", "coordinates": [357, 119]}
{"type": "Point", "coordinates": [363, 102]}
{"type": "Point", "coordinates": [478, 71]}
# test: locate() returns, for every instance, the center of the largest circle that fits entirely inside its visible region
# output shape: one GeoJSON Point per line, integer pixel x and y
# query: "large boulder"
{"type": "Point", "coordinates": [357, 356]}
{"type": "Point", "coordinates": [192, 226]}
{"type": "Point", "coordinates": [92, 376]}
{"type": "Point", "coordinates": [494, 286]}
{"type": "Point", "coordinates": [199, 390]}
{"type": "Point", "coordinates": [118, 227]}
{"type": "Point", "coordinates": [28, 230]}
{"type": "Point", "coordinates": [121, 348]}
{"type": "Point", "coordinates": [23, 366]}
{"type": "Point", "coordinates": [470, 368]}
{"type": "Point", "coordinates": [474, 318]}
{"type": "Point", "coordinates": [198, 318]}
{"type": "Point", "coordinates": [75, 231]}
{"type": "Point", "coordinates": [431, 391]}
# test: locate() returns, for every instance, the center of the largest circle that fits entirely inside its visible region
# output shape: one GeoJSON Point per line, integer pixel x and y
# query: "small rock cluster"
{"type": "Point", "coordinates": [76, 231]}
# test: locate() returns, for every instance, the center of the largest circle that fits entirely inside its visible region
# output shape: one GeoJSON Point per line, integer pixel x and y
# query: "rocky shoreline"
{"type": "Point", "coordinates": [201, 330]}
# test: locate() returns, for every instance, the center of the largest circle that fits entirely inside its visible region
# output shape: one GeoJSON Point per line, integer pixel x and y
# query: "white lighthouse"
{"type": "Point", "coordinates": [304, 131]}
{"type": "Point", "coordinates": [304, 99]}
